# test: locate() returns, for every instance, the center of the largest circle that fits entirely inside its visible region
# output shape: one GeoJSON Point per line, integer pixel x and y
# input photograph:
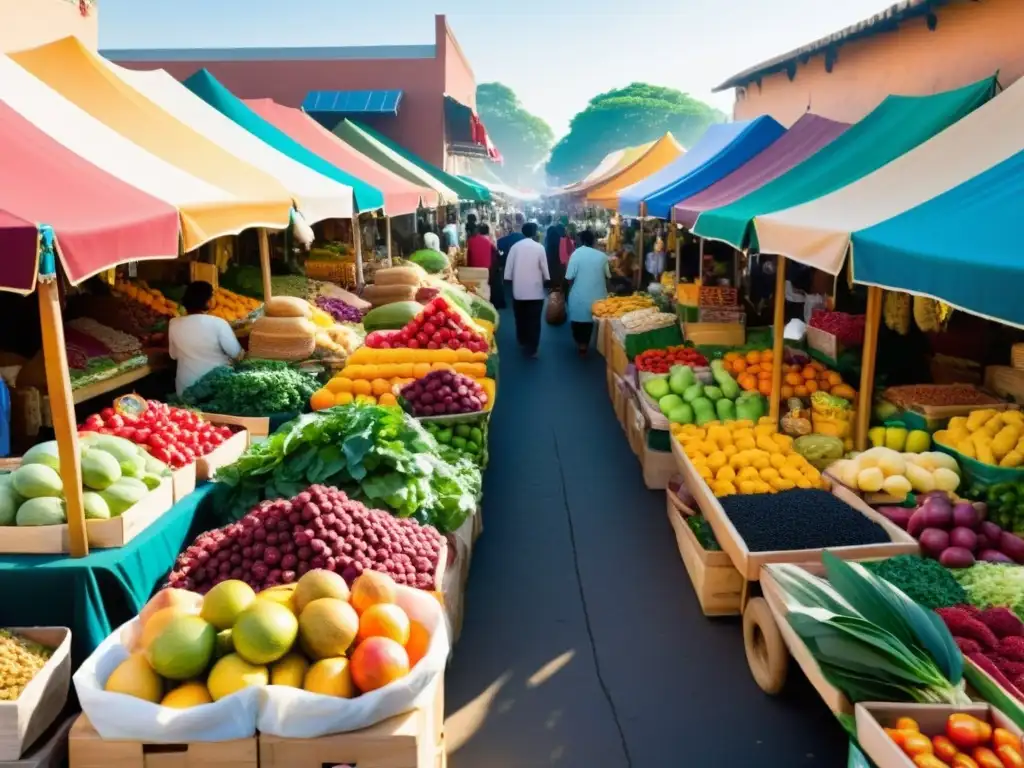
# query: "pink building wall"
{"type": "Point", "coordinates": [972, 40]}
{"type": "Point", "coordinates": [28, 23]}
{"type": "Point", "coordinates": [419, 125]}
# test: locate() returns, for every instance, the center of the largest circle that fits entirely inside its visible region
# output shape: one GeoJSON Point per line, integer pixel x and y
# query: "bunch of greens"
{"type": "Point", "coordinates": [993, 584]}
{"type": "Point", "coordinates": [924, 580]}
{"type": "Point", "coordinates": [702, 531]}
{"type": "Point", "coordinates": [870, 640]}
{"type": "Point", "coordinates": [461, 438]}
{"type": "Point", "coordinates": [251, 388]}
{"type": "Point", "coordinates": [378, 455]}
{"type": "Point", "coordinates": [1005, 506]}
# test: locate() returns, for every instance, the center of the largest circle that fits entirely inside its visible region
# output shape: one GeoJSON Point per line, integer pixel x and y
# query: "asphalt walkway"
{"type": "Point", "coordinates": [583, 644]}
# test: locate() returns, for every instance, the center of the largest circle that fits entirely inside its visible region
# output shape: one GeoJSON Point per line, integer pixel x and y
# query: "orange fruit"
{"type": "Point", "coordinates": [753, 357]}
{"type": "Point", "coordinates": [794, 379]}
{"type": "Point", "coordinates": [809, 373]}
{"type": "Point", "coordinates": [384, 620]}
{"type": "Point", "coordinates": [377, 662]}
{"type": "Point", "coordinates": [801, 391]}
{"type": "Point", "coordinates": [362, 387]}
{"type": "Point", "coordinates": [765, 376]}
{"type": "Point", "coordinates": [419, 370]}
{"type": "Point", "coordinates": [442, 367]}
{"type": "Point", "coordinates": [372, 588]}
{"type": "Point", "coordinates": [739, 365]}
{"type": "Point", "coordinates": [387, 399]}
{"type": "Point", "coordinates": [339, 384]}
{"type": "Point", "coordinates": [380, 387]}
{"type": "Point", "coordinates": [419, 641]}
{"type": "Point", "coordinates": [343, 398]}
{"type": "Point", "coordinates": [812, 386]}
{"type": "Point", "coordinates": [748, 382]}
{"type": "Point", "coordinates": [730, 356]}
{"type": "Point", "coordinates": [765, 387]}
{"type": "Point", "coordinates": [819, 367]}
{"type": "Point", "coordinates": [834, 378]}
{"type": "Point", "coordinates": [767, 356]}
{"type": "Point", "coordinates": [754, 369]}
{"type": "Point", "coordinates": [787, 391]}
{"type": "Point", "coordinates": [321, 399]}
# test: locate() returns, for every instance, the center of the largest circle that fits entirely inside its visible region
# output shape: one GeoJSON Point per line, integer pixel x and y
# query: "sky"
{"type": "Point", "coordinates": [555, 60]}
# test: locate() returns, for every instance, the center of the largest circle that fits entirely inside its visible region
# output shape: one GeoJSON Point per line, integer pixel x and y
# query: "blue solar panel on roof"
{"type": "Point", "coordinates": [353, 102]}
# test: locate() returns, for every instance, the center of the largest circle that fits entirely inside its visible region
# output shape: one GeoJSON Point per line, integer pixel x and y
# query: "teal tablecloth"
{"type": "Point", "coordinates": [93, 595]}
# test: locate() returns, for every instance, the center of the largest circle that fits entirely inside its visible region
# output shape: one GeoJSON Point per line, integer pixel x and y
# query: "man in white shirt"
{"type": "Point", "coordinates": [200, 342]}
{"type": "Point", "coordinates": [451, 233]}
{"type": "Point", "coordinates": [527, 269]}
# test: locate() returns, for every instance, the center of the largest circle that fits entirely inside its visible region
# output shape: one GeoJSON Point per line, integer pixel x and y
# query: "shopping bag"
{"type": "Point", "coordinates": [556, 308]}
{"type": "Point", "coordinates": [297, 714]}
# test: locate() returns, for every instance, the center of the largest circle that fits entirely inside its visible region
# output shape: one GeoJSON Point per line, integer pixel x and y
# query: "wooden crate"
{"type": "Point", "coordinates": [824, 343]}
{"type": "Point", "coordinates": [183, 481]}
{"type": "Point", "coordinates": [715, 334]}
{"type": "Point", "coordinates": [1005, 382]}
{"type": "Point", "coordinates": [609, 377]}
{"type": "Point", "coordinates": [51, 751]}
{"type": "Point", "coordinates": [619, 400]}
{"type": "Point", "coordinates": [412, 740]}
{"type": "Point", "coordinates": [619, 361]}
{"type": "Point", "coordinates": [102, 534]}
{"type": "Point", "coordinates": [86, 749]}
{"type": "Point", "coordinates": [749, 563]}
{"type": "Point", "coordinates": [873, 717]}
{"type": "Point", "coordinates": [719, 586]}
{"type": "Point", "coordinates": [602, 336]}
{"type": "Point", "coordinates": [225, 453]}
{"type": "Point", "coordinates": [25, 719]}
{"type": "Point", "coordinates": [636, 426]}
{"type": "Point", "coordinates": [256, 426]}
{"type": "Point", "coordinates": [659, 466]}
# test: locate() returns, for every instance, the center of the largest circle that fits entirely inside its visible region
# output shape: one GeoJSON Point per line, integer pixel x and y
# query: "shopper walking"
{"type": "Point", "coordinates": [527, 270]}
{"type": "Point", "coordinates": [587, 277]}
{"type": "Point", "coordinates": [552, 247]}
{"type": "Point", "coordinates": [480, 251]}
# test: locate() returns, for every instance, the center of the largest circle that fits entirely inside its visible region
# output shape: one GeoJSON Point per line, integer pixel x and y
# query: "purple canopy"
{"type": "Point", "coordinates": [19, 242]}
{"type": "Point", "coordinates": [808, 134]}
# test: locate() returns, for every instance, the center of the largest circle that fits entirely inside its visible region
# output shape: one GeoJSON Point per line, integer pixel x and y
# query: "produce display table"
{"type": "Point", "coordinates": [95, 594]}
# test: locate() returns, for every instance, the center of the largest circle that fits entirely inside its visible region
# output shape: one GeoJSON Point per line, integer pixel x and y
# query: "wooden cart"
{"type": "Point", "coordinates": [767, 637]}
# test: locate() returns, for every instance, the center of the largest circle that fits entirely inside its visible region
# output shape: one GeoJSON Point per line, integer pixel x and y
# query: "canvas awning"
{"type": "Point", "coordinates": [807, 135]}
{"type": "Point", "coordinates": [362, 142]}
{"type": "Point", "coordinates": [19, 239]}
{"type": "Point", "coordinates": [663, 152]}
{"type": "Point", "coordinates": [80, 76]}
{"type": "Point", "coordinates": [465, 191]}
{"type": "Point", "coordinates": [99, 221]}
{"type": "Point", "coordinates": [894, 127]}
{"type": "Point", "coordinates": [205, 86]}
{"type": "Point", "coordinates": [196, 200]}
{"type": "Point", "coordinates": [707, 161]}
{"type": "Point", "coordinates": [316, 196]}
{"type": "Point", "coordinates": [609, 163]}
{"type": "Point", "coordinates": [401, 197]}
{"type": "Point", "coordinates": [960, 247]}
{"type": "Point", "coordinates": [818, 233]}
{"type": "Point", "coordinates": [623, 159]}
{"type": "Point", "coordinates": [332, 106]}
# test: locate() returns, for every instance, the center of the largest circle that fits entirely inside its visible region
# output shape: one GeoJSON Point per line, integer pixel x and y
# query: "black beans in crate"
{"type": "Point", "coordinates": [800, 519]}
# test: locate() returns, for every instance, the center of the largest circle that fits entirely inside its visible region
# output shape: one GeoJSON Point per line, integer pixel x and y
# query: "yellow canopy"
{"type": "Point", "coordinates": [613, 163]}
{"type": "Point", "coordinates": [256, 199]}
{"type": "Point", "coordinates": [606, 192]}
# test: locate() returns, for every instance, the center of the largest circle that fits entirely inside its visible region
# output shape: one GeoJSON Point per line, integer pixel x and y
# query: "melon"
{"type": "Point", "coordinates": [183, 649]}
{"type": "Point", "coordinates": [43, 453]}
{"type": "Point", "coordinates": [391, 317]}
{"type": "Point", "coordinates": [225, 602]}
{"type": "Point", "coordinates": [327, 628]}
{"type": "Point", "coordinates": [36, 481]}
{"type": "Point", "coordinates": [319, 583]}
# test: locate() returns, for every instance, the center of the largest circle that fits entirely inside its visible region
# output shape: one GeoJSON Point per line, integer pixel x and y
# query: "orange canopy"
{"type": "Point", "coordinates": [81, 76]}
{"type": "Point", "coordinates": [606, 192]}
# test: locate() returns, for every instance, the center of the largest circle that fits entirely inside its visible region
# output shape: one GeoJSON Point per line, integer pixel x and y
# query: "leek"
{"type": "Point", "coordinates": [865, 639]}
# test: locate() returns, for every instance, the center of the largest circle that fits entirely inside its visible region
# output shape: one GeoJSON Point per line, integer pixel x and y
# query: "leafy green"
{"type": "Point", "coordinates": [923, 580]}
{"type": "Point", "coordinates": [252, 388]}
{"type": "Point", "coordinates": [378, 455]}
{"type": "Point", "coordinates": [989, 584]}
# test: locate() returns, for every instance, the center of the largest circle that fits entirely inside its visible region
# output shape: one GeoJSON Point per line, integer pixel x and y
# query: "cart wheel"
{"type": "Point", "coordinates": [767, 654]}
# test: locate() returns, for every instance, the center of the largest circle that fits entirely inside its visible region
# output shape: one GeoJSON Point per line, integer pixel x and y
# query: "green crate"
{"type": "Point", "coordinates": [978, 474]}
{"type": "Point", "coordinates": [661, 338]}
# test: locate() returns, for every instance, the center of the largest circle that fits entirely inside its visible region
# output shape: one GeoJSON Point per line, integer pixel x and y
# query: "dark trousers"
{"type": "Point", "coordinates": [528, 317]}
{"type": "Point", "coordinates": [582, 333]}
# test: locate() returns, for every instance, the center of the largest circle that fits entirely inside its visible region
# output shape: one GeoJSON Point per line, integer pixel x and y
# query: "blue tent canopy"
{"type": "Point", "coordinates": [756, 136]}
{"type": "Point", "coordinates": [348, 103]}
{"type": "Point", "coordinates": [708, 145]}
{"type": "Point", "coordinates": [960, 247]}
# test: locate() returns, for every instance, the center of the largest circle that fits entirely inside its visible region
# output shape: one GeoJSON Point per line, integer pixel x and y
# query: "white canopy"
{"type": "Point", "coordinates": [102, 146]}
{"type": "Point", "coordinates": [316, 196]}
{"type": "Point", "coordinates": [818, 232]}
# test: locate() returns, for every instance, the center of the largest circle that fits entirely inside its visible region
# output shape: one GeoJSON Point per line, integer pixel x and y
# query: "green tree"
{"type": "Point", "coordinates": [626, 117]}
{"type": "Point", "coordinates": [523, 139]}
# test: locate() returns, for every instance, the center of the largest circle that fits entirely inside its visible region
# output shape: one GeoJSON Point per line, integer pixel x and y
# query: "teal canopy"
{"type": "Point", "coordinates": [465, 191]}
{"type": "Point", "coordinates": [960, 247]}
{"type": "Point", "coordinates": [205, 86]}
{"type": "Point", "coordinates": [894, 127]}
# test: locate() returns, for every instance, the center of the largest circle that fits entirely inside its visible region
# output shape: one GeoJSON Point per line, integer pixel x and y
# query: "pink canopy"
{"type": "Point", "coordinates": [400, 196]}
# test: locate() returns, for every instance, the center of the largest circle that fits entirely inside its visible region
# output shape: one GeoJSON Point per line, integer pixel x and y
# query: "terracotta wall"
{"type": "Point", "coordinates": [459, 81]}
{"type": "Point", "coordinates": [28, 23]}
{"type": "Point", "coordinates": [971, 41]}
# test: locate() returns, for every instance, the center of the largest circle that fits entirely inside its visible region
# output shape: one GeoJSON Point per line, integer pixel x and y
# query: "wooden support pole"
{"type": "Point", "coordinates": [357, 241]}
{"type": "Point", "coordinates": [387, 236]}
{"type": "Point", "coordinates": [778, 339]}
{"type": "Point", "coordinates": [62, 408]}
{"type": "Point", "coordinates": [679, 252]}
{"type": "Point", "coordinates": [265, 263]}
{"type": "Point", "coordinates": [867, 367]}
{"type": "Point", "coordinates": [640, 251]}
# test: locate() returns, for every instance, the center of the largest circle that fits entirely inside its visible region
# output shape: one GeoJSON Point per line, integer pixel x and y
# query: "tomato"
{"type": "Point", "coordinates": [964, 731]}
{"type": "Point", "coordinates": [1010, 755]}
{"type": "Point", "coordinates": [916, 743]}
{"type": "Point", "coordinates": [161, 454]}
{"type": "Point", "coordinates": [1001, 737]}
{"type": "Point", "coordinates": [986, 758]}
{"type": "Point", "coordinates": [944, 748]}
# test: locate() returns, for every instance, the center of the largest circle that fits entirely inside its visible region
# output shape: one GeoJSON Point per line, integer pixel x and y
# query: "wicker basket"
{"type": "Point", "coordinates": [1017, 356]}
{"type": "Point", "coordinates": [343, 272]}
{"type": "Point", "coordinates": [269, 347]}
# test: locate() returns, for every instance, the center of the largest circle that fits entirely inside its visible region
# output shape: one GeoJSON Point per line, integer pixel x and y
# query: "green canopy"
{"type": "Point", "coordinates": [480, 188]}
{"type": "Point", "coordinates": [893, 128]}
{"type": "Point", "coordinates": [205, 86]}
{"type": "Point", "coordinates": [465, 191]}
{"type": "Point", "coordinates": [361, 141]}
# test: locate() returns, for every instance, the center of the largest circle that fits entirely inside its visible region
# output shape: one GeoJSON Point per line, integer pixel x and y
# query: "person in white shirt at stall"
{"type": "Point", "coordinates": [527, 269]}
{"type": "Point", "coordinates": [200, 342]}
